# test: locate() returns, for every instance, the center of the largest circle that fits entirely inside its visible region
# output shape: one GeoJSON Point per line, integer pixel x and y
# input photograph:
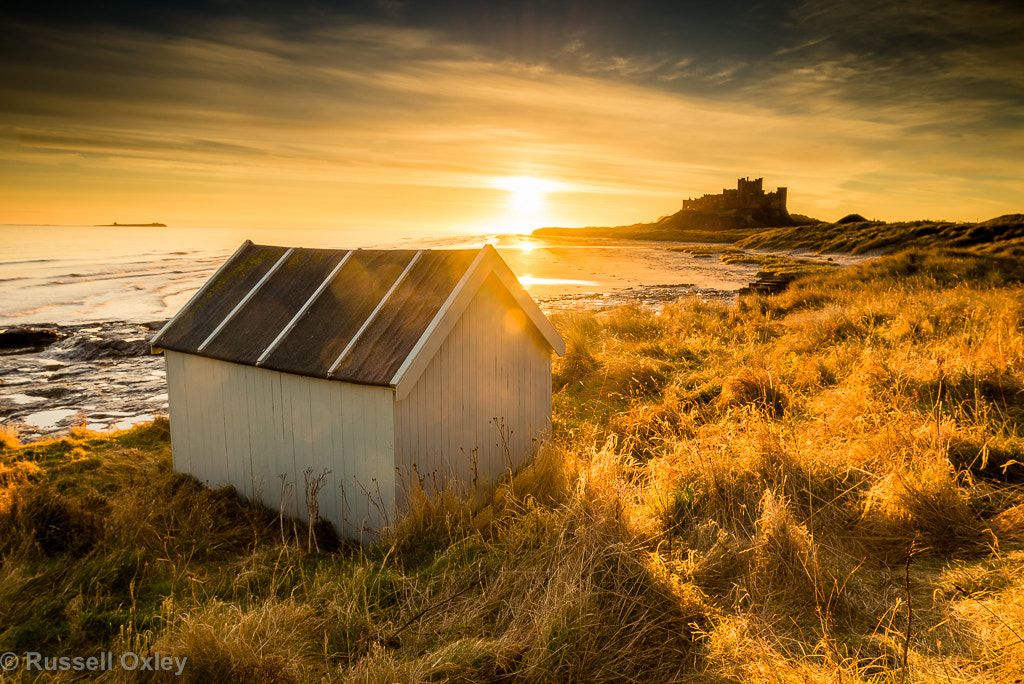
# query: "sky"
{"type": "Point", "coordinates": [469, 116]}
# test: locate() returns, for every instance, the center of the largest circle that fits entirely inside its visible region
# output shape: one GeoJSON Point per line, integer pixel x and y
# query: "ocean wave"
{"type": "Point", "coordinates": [27, 261]}
{"type": "Point", "coordinates": [80, 278]}
{"type": "Point", "coordinates": [38, 309]}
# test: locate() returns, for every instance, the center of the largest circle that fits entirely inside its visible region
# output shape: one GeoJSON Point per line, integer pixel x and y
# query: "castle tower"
{"type": "Point", "coordinates": [750, 188]}
{"type": "Point", "coordinates": [780, 199]}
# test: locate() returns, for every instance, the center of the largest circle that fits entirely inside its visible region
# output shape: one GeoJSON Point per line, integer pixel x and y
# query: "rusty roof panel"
{"type": "Point", "coordinates": [252, 329]}
{"type": "Point", "coordinates": [187, 331]}
{"type": "Point", "coordinates": [328, 326]}
{"type": "Point", "coordinates": [404, 317]}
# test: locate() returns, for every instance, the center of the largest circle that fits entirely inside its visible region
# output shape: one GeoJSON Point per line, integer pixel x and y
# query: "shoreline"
{"type": "Point", "coordinates": [102, 376]}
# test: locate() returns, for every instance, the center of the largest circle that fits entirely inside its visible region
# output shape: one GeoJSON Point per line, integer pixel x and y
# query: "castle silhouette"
{"type": "Point", "coordinates": [749, 195]}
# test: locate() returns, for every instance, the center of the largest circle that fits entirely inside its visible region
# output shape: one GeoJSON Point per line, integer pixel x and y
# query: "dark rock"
{"type": "Point", "coordinates": [49, 391]}
{"type": "Point", "coordinates": [96, 349]}
{"type": "Point", "coordinates": [26, 339]}
{"type": "Point", "coordinates": [768, 283]}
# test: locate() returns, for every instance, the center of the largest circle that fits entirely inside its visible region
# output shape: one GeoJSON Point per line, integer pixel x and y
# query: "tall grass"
{"type": "Point", "coordinates": [769, 492]}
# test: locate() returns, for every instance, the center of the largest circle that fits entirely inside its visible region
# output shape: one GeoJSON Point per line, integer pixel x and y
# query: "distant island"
{"type": "Point", "coordinates": [747, 217]}
{"type": "Point", "coordinates": [115, 224]}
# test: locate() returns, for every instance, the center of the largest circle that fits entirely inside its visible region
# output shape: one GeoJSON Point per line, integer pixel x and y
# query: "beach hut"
{"type": "Point", "coordinates": [361, 373]}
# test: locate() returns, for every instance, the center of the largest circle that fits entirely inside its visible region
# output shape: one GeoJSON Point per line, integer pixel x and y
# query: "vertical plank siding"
{"type": "Point", "coordinates": [490, 367]}
{"type": "Point", "coordinates": [178, 411]}
{"type": "Point", "coordinates": [245, 426]}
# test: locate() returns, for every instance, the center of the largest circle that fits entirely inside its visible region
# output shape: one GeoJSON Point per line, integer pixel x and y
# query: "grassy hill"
{"type": "Point", "coordinates": [686, 226]}
{"type": "Point", "coordinates": [823, 485]}
{"type": "Point", "coordinates": [856, 236]}
{"type": "Point", "coordinates": [865, 237]}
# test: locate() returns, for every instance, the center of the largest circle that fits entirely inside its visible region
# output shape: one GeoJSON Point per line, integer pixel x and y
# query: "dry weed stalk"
{"type": "Point", "coordinates": [285, 502]}
{"type": "Point", "coordinates": [312, 492]}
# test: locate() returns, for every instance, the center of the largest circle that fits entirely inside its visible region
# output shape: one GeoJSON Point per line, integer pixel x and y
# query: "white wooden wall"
{"type": "Point", "coordinates": [492, 365]}
{"type": "Point", "coordinates": [246, 426]}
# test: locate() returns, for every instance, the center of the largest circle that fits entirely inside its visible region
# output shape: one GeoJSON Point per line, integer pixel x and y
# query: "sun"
{"type": "Point", "coordinates": [526, 194]}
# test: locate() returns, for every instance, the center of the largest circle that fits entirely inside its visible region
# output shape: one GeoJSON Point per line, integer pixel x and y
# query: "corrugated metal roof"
{"type": "Point", "coordinates": [360, 316]}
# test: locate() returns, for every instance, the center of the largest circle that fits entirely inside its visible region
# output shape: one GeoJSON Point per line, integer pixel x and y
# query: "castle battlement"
{"type": "Point", "coordinates": [748, 195]}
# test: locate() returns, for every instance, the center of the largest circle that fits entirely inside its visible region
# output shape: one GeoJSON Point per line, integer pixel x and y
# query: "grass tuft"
{"type": "Point", "coordinates": [757, 388]}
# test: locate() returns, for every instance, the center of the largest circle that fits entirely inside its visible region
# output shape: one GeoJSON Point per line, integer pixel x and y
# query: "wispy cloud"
{"type": "Point", "coordinates": [936, 52]}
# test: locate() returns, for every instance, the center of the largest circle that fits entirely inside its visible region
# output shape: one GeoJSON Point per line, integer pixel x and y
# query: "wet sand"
{"type": "Point", "coordinates": [563, 273]}
{"type": "Point", "coordinates": [567, 273]}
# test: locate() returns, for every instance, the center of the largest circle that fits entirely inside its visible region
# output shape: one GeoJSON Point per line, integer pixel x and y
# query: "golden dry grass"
{"type": "Point", "coordinates": [759, 493]}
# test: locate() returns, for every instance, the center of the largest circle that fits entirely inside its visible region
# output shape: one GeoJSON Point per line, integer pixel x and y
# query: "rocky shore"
{"type": "Point", "coordinates": [653, 296]}
{"type": "Point", "coordinates": [99, 375]}
{"type": "Point", "coordinates": [103, 376]}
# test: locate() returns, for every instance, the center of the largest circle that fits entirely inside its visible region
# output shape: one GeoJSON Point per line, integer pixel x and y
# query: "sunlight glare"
{"type": "Point", "coordinates": [528, 281]}
{"type": "Point", "coordinates": [526, 194]}
{"type": "Point", "coordinates": [525, 246]}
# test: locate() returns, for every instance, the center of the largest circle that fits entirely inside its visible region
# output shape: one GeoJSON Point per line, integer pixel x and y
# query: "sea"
{"type": "Point", "coordinates": [78, 274]}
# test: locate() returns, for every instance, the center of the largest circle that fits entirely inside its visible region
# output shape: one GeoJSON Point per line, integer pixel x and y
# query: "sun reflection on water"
{"type": "Point", "coordinates": [529, 280]}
